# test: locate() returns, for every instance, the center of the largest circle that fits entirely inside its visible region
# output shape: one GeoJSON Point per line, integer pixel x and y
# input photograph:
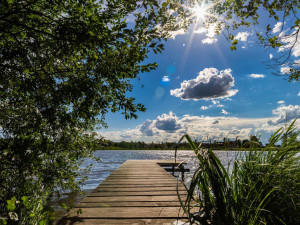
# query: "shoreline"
{"type": "Point", "coordinates": [123, 149]}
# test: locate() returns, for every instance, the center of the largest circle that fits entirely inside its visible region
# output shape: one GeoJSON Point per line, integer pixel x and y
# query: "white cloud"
{"type": "Point", "coordinates": [290, 41]}
{"type": "Point", "coordinates": [277, 27]}
{"type": "Point", "coordinates": [271, 56]}
{"type": "Point", "coordinates": [173, 34]}
{"type": "Point", "coordinates": [165, 79]}
{"type": "Point", "coordinates": [167, 122]}
{"type": "Point", "coordinates": [257, 75]}
{"type": "Point", "coordinates": [147, 128]}
{"type": "Point", "coordinates": [224, 112]}
{"type": "Point", "coordinates": [242, 36]}
{"type": "Point", "coordinates": [209, 40]}
{"type": "Point", "coordinates": [217, 103]}
{"type": "Point", "coordinates": [281, 102]}
{"type": "Point", "coordinates": [297, 62]}
{"type": "Point", "coordinates": [299, 93]}
{"type": "Point", "coordinates": [209, 84]}
{"type": "Point", "coordinates": [285, 114]}
{"type": "Point", "coordinates": [209, 32]}
{"type": "Point", "coordinates": [285, 70]}
{"type": "Point", "coordinates": [201, 30]}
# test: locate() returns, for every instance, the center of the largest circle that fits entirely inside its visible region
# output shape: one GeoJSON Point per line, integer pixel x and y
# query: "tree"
{"type": "Point", "coordinates": [63, 66]}
{"type": "Point", "coordinates": [245, 143]}
{"type": "Point", "coordinates": [229, 15]}
{"type": "Point", "coordinates": [254, 141]}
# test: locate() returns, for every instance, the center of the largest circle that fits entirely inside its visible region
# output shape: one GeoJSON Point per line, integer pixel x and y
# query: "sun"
{"type": "Point", "coordinates": [200, 11]}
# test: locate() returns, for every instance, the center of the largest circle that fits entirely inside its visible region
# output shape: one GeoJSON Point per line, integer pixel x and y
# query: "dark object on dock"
{"type": "Point", "coordinates": [138, 192]}
{"type": "Point", "coordinates": [174, 167]}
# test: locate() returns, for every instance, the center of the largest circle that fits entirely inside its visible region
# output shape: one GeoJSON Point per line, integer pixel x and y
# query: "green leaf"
{"type": "Point", "coordinates": [235, 42]}
{"type": "Point", "coordinates": [11, 204]}
{"type": "Point", "coordinates": [232, 47]}
{"type": "Point", "coordinates": [25, 202]}
{"type": "Point", "coordinates": [42, 222]}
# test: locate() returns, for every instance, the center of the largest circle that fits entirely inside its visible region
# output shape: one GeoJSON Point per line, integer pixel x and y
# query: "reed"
{"type": "Point", "coordinates": [259, 187]}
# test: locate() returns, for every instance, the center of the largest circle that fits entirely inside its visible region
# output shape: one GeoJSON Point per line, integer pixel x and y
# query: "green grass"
{"type": "Point", "coordinates": [260, 187]}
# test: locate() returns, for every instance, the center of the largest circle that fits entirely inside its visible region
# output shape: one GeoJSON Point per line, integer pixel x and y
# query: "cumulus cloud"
{"type": "Point", "coordinates": [285, 114]}
{"type": "Point", "coordinates": [167, 122]}
{"type": "Point", "coordinates": [224, 112]}
{"type": "Point", "coordinates": [277, 27]}
{"type": "Point", "coordinates": [271, 56]}
{"type": "Point", "coordinates": [257, 75]}
{"type": "Point", "coordinates": [215, 103]}
{"type": "Point", "coordinates": [173, 34]}
{"type": "Point", "coordinates": [290, 41]}
{"type": "Point", "coordinates": [147, 128]}
{"type": "Point", "coordinates": [285, 70]}
{"type": "Point", "coordinates": [297, 62]}
{"type": "Point", "coordinates": [209, 33]}
{"type": "Point", "coordinates": [299, 93]}
{"type": "Point", "coordinates": [209, 40]}
{"type": "Point", "coordinates": [165, 79]}
{"type": "Point", "coordinates": [281, 102]}
{"type": "Point", "coordinates": [209, 84]}
{"type": "Point", "coordinates": [242, 36]}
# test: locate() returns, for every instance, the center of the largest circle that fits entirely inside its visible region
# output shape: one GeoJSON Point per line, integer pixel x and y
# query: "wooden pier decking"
{"type": "Point", "coordinates": [138, 192]}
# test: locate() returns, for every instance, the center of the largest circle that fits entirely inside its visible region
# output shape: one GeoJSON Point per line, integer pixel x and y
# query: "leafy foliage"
{"type": "Point", "coordinates": [63, 66]}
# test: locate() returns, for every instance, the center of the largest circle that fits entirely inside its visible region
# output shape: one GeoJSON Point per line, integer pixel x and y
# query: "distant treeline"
{"type": "Point", "coordinates": [140, 145]}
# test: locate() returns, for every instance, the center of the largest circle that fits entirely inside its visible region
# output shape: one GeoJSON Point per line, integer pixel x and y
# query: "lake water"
{"type": "Point", "coordinates": [112, 159]}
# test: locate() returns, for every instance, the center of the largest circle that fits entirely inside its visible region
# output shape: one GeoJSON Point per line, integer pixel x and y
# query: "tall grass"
{"type": "Point", "coordinates": [260, 187]}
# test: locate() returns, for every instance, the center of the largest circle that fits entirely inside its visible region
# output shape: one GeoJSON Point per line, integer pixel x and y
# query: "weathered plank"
{"type": "Point", "coordinates": [136, 193]}
{"type": "Point", "coordinates": [132, 212]}
{"type": "Point", "coordinates": [138, 189]}
{"type": "Point", "coordinates": [145, 221]}
{"type": "Point", "coordinates": [126, 204]}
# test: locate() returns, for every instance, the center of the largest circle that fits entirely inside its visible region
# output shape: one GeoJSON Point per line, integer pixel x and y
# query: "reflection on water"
{"type": "Point", "coordinates": [112, 159]}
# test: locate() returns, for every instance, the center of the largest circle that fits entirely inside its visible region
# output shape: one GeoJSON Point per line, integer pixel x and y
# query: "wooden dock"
{"type": "Point", "coordinates": [138, 192]}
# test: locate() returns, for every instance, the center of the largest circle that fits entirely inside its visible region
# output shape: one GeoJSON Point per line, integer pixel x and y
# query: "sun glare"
{"type": "Point", "coordinates": [200, 11]}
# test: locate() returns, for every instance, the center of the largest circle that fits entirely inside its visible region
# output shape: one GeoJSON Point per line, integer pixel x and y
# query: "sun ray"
{"type": "Point", "coordinates": [200, 10]}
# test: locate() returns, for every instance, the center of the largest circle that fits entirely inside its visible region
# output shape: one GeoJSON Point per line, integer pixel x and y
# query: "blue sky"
{"type": "Point", "coordinates": [202, 88]}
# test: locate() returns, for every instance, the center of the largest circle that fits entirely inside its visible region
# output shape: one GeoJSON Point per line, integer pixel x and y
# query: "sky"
{"type": "Point", "coordinates": [202, 88]}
